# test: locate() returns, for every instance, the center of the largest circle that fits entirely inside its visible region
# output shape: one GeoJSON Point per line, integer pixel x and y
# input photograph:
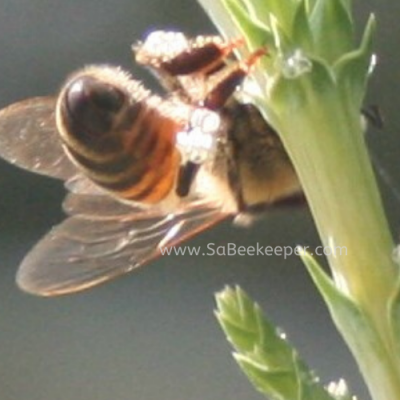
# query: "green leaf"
{"type": "Point", "coordinates": [354, 325]}
{"type": "Point", "coordinates": [310, 4]}
{"type": "Point", "coordinates": [220, 16]}
{"type": "Point", "coordinates": [282, 11]}
{"type": "Point", "coordinates": [352, 70]}
{"type": "Point", "coordinates": [264, 355]}
{"type": "Point", "coordinates": [253, 30]}
{"type": "Point", "coordinates": [293, 95]}
{"type": "Point", "coordinates": [394, 315]}
{"type": "Point", "coordinates": [242, 320]}
{"type": "Point", "coordinates": [301, 32]}
{"type": "Point", "coordinates": [275, 384]}
{"type": "Point", "coordinates": [332, 29]}
{"type": "Point", "coordinates": [347, 5]}
{"type": "Point", "coordinates": [344, 311]}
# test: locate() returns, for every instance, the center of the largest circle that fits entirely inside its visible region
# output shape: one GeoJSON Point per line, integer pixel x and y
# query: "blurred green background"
{"type": "Point", "coordinates": [152, 334]}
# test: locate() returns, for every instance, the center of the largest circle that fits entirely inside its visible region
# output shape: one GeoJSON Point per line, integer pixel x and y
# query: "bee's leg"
{"type": "Point", "coordinates": [204, 55]}
{"type": "Point", "coordinates": [220, 93]}
{"type": "Point", "coordinates": [187, 174]}
{"type": "Point", "coordinates": [171, 53]}
{"type": "Point", "coordinates": [181, 63]}
{"type": "Point", "coordinates": [216, 99]}
{"type": "Point", "coordinates": [198, 144]}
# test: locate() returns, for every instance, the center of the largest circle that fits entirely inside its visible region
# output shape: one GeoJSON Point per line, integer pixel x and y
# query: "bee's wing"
{"type": "Point", "coordinates": [103, 239]}
{"type": "Point", "coordinates": [29, 138]}
{"type": "Point", "coordinates": [80, 184]}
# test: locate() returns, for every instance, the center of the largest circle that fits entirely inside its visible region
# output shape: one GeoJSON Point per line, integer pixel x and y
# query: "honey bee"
{"type": "Point", "coordinates": [144, 172]}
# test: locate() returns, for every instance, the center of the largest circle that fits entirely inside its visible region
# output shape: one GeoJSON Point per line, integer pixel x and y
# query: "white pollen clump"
{"type": "Point", "coordinates": [206, 120]}
{"type": "Point", "coordinates": [161, 43]}
{"type": "Point", "coordinates": [198, 143]}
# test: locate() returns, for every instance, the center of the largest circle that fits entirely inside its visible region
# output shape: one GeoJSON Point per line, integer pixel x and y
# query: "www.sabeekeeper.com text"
{"type": "Point", "coordinates": [232, 249]}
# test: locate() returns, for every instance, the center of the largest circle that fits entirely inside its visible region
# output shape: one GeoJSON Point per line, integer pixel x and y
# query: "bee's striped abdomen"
{"type": "Point", "coordinates": [154, 160]}
{"type": "Point", "coordinates": [125, 145]}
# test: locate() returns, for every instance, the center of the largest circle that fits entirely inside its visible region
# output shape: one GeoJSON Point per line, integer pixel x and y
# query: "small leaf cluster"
{"type": "Point", "coordinates": [264, 354]}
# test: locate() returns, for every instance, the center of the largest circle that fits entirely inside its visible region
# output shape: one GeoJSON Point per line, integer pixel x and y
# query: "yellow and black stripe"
{"type": "Point", "coordinates": [124, 145]}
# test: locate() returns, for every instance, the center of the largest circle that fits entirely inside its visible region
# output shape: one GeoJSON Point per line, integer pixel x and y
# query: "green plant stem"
{"type": "Point", "coordinates": [333, 166]}
{"type": "Point", "coordinates": [312, 90]}
{"type": "Point", "coordinates": [332, 162]}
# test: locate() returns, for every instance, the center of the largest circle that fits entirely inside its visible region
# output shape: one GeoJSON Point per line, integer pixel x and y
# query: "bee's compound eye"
{"type": "Point", "coordinates": [92, 104]}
